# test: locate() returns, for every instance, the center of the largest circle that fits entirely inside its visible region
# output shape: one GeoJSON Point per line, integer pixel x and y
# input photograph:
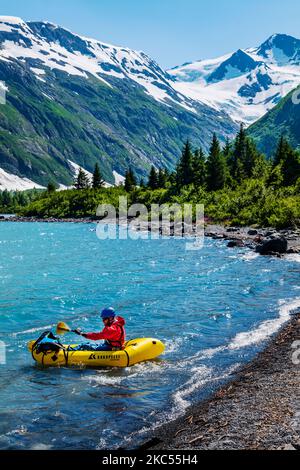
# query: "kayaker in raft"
{"type": "Point", "coordinates": [113, 332]}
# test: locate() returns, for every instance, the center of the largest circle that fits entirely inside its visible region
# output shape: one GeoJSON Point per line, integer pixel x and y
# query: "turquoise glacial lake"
{"type": "Point", "coordinates": [214, 309]}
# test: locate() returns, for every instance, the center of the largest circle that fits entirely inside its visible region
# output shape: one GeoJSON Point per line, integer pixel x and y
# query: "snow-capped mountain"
{"type": "Point", "coordinates": [247, 83]}
{"type": "Point", "coordinates": [72, 98]}
{"type": "Point", "coordinates": [48, 46]}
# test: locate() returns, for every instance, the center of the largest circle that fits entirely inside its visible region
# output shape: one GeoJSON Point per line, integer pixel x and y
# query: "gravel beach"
{"type": "Point", "coordinates": [258, 410]}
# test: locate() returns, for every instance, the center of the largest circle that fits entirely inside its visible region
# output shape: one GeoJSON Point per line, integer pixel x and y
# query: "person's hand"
{"type": "Point", "coordinates": [78, 332]}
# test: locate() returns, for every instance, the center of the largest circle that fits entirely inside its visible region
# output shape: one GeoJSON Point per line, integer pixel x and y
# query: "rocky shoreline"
{"type": "Point", "coordinates": [258, 410]}
{"type": "Point", "coordinates": [265, 241]}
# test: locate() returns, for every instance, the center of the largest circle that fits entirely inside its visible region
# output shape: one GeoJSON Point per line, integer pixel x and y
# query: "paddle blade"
{"type": "Point", "coordinates": [62, 329]}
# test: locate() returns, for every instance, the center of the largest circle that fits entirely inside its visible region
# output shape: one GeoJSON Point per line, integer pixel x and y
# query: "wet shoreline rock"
{"type": "Point", "coordinates": [267, 242]}
{"type": "Point", "coordinates": [273, 245]}
{"type": "Point", "coordinates": [236, 244]}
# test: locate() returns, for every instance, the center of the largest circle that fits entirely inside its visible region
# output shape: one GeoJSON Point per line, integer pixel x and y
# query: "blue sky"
{"type": "Point", "coordinates": [170, 31]}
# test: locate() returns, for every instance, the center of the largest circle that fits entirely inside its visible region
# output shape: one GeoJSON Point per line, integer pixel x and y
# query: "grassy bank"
{"type": "Point", "coordinates": [251, 203]}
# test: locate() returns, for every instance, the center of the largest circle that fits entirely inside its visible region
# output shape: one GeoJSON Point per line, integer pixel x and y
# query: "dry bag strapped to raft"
{"type": "Point", "coordinates": [47, 342]}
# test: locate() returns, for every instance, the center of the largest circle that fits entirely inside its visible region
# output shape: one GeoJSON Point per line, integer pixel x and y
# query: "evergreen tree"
{"type": "Point", "coordinates": [21, 198]}
{"type": "Point", "coordinates": [227, 154]}
{"type": "Point", "coordinates": [82, 180]}
{"type": "Point", "coordinates": [6, 198]}
{"type": "Point", "coordinates": [130, 180]}
{"type": "Point", "coordinates": [199, 168]}
{"type": "Point", "coordinates": [98, 180]}
{"type": "Point", "coordinates": [142, 183]}
{"type": "Point", "coordinates": [184, 171]}
{"type": "Point", "coordinates": [153, 179]}
{"type": "Point", "coordinates": [172, 179]}
{"type": "Point", "coordinates": [227, 150]}
{"type": "Point", "coordinates": [162, 179]}
{"type": "Point", "coordinates": [281, 151]}
{"type": "Point", "coordinates": [167, 175]}
{"type": "Point", "coordinates": [238, 156]}
{"type": "Point", "coordinates": [51, 187]}
{"type": "Point", "coordinates": [288, 160]}
{"type": "Point", "coordinates": [216, 167]}
{"type": "Point", "coordinates": [243, 158]}
{"type": "Point", "coordinates": [291, 167]}
{"type": "Point", "coordinates": [252, 158]}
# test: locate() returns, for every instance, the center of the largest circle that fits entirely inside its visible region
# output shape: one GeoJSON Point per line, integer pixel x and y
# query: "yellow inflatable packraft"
{"type": "Point", "coordinates": [136, 351]}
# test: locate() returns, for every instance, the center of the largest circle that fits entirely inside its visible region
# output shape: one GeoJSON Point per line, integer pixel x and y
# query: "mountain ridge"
{"type": "Point", "coordinates": [247, 83]}
{"type": "Point", "coordinates": [77, 99]}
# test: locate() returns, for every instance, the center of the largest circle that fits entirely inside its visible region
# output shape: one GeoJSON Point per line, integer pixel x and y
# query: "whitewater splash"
{"type": "Point", "coordinates": [33, 330]}
{"type": "Point", "coordinates": [267, 328]}
{"type": "Point", "coordinates": [202, 375]}
{"type": "Point", "coordinates": [293, 258]}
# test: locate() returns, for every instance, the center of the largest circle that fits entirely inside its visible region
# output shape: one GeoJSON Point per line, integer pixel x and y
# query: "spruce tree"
{"type": "Point", "coordinates": [153, 179]}
{"type": "Point", "coordinates": [238, 157]}
{"type": "Point", "coordinates": [184, 171]}
{"type": "Point", "coordinates": [288, 160]}
{"type": "Point", "coordinates": [252, 157]}
{"type": "Point", "coordinates": [216, 167]}
{"type": "Point", "coordinates": [51, 187]}
{"type": "Point", "coordinates": [162, 179]}
{"type": "Point", "coordinates": [281, 150]}
{"type": "Point", "coordinates": [130, 180]}
{"type": "Point", "coordinates": [227, 150]}
{"type": "Point", "coordinates": [199, 168]}
{"type": "Point", "coordinates": [98, 180]}
{"type": "Point", "coordinates": [6, 198]}
{"type": "Point", "coordinates": [227, 154]}
{"type": "Point", "coordinates": [243, 158]}
{"type": "Point", "coordinates": [133, 177]}
{"type": "Point", "coordinates": [290, 166]}
{"type": "Point", "coordinates": [82, 180]}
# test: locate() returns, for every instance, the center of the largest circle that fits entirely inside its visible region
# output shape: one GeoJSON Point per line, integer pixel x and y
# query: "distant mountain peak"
{"type": "Point", "coordinates": [279, 37]}
{"type": "Point", "coordinates": [247, 83]}
{"type": "Point", "coordinates": [238, 64]}
{"type": "Point", "coordinates": [11, 20]}
{"type": "Point", "coordinates": [281, 49]}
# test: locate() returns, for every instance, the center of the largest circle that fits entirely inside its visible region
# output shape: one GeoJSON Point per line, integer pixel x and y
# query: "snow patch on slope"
{"type": "Point", "coordinates": [119, 179]}
{"type": "Point", "coordinates": [15, 183]}
{"type": "Point", "coordinates": [75, 169]}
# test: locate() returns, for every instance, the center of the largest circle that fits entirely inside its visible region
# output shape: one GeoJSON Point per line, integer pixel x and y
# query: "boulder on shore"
{"type": "Point", "coordinates": [235, 244]}
{"type": "Point", "coordinates": [276, 245]}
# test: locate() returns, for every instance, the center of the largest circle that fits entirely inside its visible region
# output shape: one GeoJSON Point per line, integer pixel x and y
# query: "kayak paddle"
{"type": "Point", "coordinates": [62, 328]}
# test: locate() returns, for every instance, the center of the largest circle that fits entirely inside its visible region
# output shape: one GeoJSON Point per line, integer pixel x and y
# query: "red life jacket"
{"type": "Point", "coordinates": [114, 334]}
{"type": "Point", "coordinates": [118, 343]}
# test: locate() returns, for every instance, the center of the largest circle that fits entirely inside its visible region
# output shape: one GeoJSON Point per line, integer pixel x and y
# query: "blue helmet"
{"type": "Point", "coordinates": [108, 313]}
